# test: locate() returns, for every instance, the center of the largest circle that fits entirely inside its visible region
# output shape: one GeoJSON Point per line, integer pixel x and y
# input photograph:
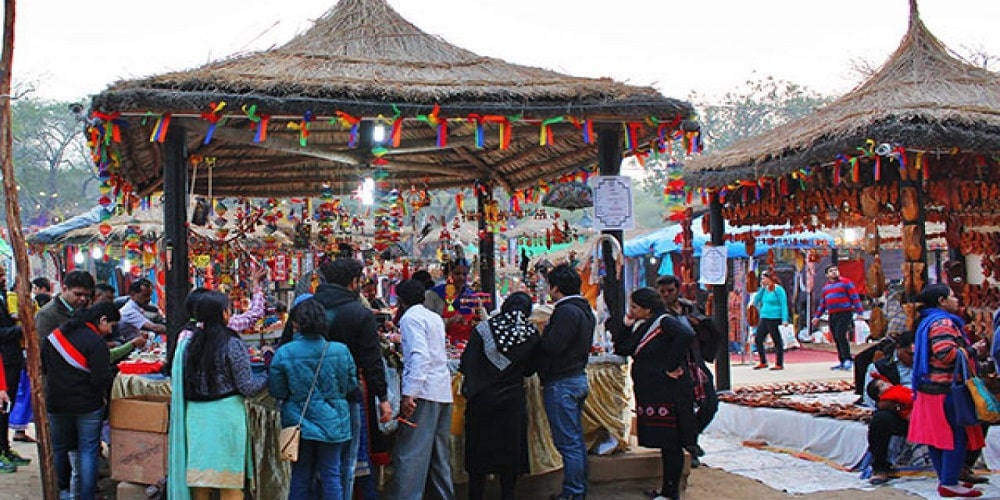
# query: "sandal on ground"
{"type": "Point", "coordinates": [760, 366]}
{"type": "Point", "coordinates": [958, 491]}
{"type": "Point", "coordinates": [879, 478]}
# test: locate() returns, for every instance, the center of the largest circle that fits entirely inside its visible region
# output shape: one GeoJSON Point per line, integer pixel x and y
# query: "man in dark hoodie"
{"type": "Point", "coordinates": [564, 347]}
{"type": "Point", "coordinates": [350, 322]}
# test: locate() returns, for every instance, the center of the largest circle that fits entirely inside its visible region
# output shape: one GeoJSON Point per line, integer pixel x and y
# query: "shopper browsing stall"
{"type": "Point", "coordinates": [772, 302]}
{"type": "Point", "coordinates": [839, 300]}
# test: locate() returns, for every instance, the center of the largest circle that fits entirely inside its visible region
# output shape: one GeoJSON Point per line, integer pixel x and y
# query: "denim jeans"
{"type": "Point", "coordinates": [321, 459]}
{"type": "Point", "coordinates": [421, 456]}
{"type": "Point", "coordinates": [82, 432]}
{"type": "Point", "coordinates": [563, 400]}
{"type": "Point", "coordinates": [350, 461]}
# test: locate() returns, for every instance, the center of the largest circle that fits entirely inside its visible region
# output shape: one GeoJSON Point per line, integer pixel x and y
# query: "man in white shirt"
{"type": "Point", "coordinates": [133, 318]}
{"type": "Point", "coordinates": [421, 453]}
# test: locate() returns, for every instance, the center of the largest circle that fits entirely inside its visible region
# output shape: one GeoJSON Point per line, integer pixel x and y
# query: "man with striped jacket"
{"type": "Point", "coordinates": [840, 300]}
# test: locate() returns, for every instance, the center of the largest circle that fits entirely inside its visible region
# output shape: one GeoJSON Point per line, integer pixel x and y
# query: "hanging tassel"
{"type": "Point", "coordinates": [545, 135]}
{"type": "Point", "coordinates": [347, 121]}
{"type": "Point", "coordinates": [878, 168]}
{"type": "Point", "coordinates": [160, 129]}
{"type": "Point", "coordinates": [261, 134]}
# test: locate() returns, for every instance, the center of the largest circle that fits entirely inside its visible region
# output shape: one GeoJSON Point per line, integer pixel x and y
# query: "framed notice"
{"type": "Point", "coordinates": [713, 264]}
{"type": "Point", "coordinates": [612, 202]}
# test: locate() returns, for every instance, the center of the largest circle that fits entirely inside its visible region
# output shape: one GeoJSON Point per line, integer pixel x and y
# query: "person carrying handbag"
{"type": "Point", "coordinates": [313, 378]}
{"type": "Point", "coordinates": [939, 345]}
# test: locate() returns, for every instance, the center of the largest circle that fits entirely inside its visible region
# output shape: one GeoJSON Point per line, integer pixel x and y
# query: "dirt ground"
{"type": "Point", "coordinates": [705, 483]}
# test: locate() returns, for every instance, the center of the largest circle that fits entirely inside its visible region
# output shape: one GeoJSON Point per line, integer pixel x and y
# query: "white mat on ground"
{"type": "Point", "coordinates": [842, 441]}
{"type": "Point", "coordinates": [785, 472]}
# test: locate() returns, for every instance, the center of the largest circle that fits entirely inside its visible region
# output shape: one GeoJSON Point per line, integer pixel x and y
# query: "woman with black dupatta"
{"type": "Point", "coordinates": [664, 389]}
{"type": "Point", "coordinates": [498, 356]}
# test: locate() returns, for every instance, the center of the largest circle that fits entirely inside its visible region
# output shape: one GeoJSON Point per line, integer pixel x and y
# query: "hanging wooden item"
{"type": "Point", "coordinates": [752, 283]}
{"type": "Point", "coordinates": [878, 323]}
{"type": "Point", "coordinates": [910, 209]}
{"type": "Point", "coordinates": [751, 245]}
{"type": "Point", "coordinates": [875, 278]}
{"type": "Point", "coordinates": [870, 201]}
{"type": "Point", "coordinates": [913, 277]}
{"type": "Point", "coordinates": [912, 248]}
{"type": "Point", "coordinates": [872, 240]}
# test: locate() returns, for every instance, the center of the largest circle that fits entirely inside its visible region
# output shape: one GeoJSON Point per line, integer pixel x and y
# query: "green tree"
{"type": "Point", "coordinates": [752, 109]}
{"type": "Point", "coordinates": [51, 161]}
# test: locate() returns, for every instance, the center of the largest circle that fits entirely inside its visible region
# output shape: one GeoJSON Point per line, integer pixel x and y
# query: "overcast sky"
{"type": "Point", "coordinates": [74, 48]}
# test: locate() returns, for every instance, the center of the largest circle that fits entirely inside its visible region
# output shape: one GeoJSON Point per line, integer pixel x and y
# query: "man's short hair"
{"type": "Point", "coordinates": [43, 283]}
{"type": "Point", "coordinates": [566, 279]}
{"type": "Point", "coordinates": [78, 278]}
{"type": "Point", "coordinates": [668, 279]}
{"type": "Point", "coordinates": [341, 271]}
{"type": "Point", "coordinates": [105, 288]}
{"type": "Point", "coordinates": [411, 292]}
{"type": "Point", "coordinates": [139, 285]}
{"type": "Point", "coordinates": [830, 266]}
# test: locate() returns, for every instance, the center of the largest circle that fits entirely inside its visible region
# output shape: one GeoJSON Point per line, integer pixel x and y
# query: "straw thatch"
{"type": "Point", "coordinates": [363, 58]}
{"type": "Point", "coordinates": [922, 97]}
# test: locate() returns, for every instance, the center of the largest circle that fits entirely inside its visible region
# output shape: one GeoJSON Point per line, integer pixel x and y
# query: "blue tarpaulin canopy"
{"type": "Point", "coordinates": [667, 240]}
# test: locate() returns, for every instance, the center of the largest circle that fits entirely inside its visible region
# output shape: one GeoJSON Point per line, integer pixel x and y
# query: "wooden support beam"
{"type": "Point", "coordinates": [575, 159]}
{"type": "Point", "coordinates": [487, 171]}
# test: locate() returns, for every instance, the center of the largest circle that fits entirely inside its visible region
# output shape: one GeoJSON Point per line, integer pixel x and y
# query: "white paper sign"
{"type": "Point", "coordinates": [612, 202]}
{"type": "Point", "coordinates": [713, 264]}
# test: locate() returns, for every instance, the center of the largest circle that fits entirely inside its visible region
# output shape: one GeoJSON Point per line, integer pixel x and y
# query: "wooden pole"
{"type": "Point", "coordinates": [609, 162]}
{"type": "Point", "coordinates": [50, 486]}
{"type": "Point", "coordinates": [487, 252]}
{"type": "Point", "coordinates": [175, 200]}
{"type": "Point", "coordinates": [720, 299]}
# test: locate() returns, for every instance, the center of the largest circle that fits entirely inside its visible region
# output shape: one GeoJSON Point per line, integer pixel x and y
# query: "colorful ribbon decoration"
{"type": "Point", "coordinates": [900, 154]}
{"type": "Point", "coordinates": [878, 168]}
{"type": "Point", "coordinates": [112, 129]}
{"type": "Point", "coordinates": [632, 131]}
{"type": "Point", "coordinates": [160, 129]}
{"type": "Point", "coordinates": [303, 128]}
{"type": "Point", "coordinates": [545, 135]}
{"type": "Point", "coordinates": [352, 122]}
{"type": "Point", "coordinates": [212, 116]}
{"type": "Point", "coordinates": [440, 125]}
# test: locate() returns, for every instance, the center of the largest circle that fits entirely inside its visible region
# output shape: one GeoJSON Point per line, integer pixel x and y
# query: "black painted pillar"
{"type": "Point", "coordinates": [609, 162]}
{"type": "Point", "coordinates": [175, 200]}
{"type": "Point", "coordinates": [720, 299]}
{"type": "Point", "coordinates": [487, 252]}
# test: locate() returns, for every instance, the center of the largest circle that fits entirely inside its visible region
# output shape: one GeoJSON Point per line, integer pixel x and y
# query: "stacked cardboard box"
{"type": "Point", "coordinates": [139, 438]}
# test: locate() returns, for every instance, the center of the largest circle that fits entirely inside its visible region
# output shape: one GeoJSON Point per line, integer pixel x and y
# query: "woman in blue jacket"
{"type": "Point", "coordinates": [326, 424]}
{"type": "Point", "coordinates": [772, 303]}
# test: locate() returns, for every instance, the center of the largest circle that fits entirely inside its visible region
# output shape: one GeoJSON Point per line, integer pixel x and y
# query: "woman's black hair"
{"type": "Point", "coordinates": [932, 295]}
{"type": "Point", "coordinates": [517, 301]}
{"type": "Point", "coordinates": [208, 342]}
{"type": "Point", "coordinates": [310, 317]}
{"type": "Point", "coordinates": [92, 315]}
{"type": "Point", "coordinates": [649, 299]}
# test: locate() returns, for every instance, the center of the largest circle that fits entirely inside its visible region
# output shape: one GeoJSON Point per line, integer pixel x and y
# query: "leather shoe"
{"type": "Point", "coordinates": [879, 478]}
{"type": "Point", "coordinates": [760, 366]}
{"type": "Point", "coordinates": [967, 476]}
{"type": "Point", "coordinates": [958, 492]}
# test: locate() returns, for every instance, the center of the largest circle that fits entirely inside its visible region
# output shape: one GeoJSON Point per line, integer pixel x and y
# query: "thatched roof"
{"type": "Point", "coordinates": [922, 97]}
{"type": "Point", "coordinates": [362, 58]}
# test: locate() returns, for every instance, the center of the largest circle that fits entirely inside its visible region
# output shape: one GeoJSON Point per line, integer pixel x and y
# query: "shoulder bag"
{"type": "Point", "coordinates": [961, 398]}
{"type": "Point", "coordinates": [288, 439]}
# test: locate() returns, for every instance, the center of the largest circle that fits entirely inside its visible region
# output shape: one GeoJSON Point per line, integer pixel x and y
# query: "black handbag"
{"type": "Point", "coordinates": [961, 400]}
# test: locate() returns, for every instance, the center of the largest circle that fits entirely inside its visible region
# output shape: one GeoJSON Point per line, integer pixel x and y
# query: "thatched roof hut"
{"type": "Point", "coordinates": [922, 96]}
{"type": "Point", "coordinates": [363, 60]}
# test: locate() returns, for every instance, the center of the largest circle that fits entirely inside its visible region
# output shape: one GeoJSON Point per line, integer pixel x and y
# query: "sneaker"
{"type": "Point", "coordinates": [847, 365]}
{"type": "Point", "coordinates": [6, 466]}
{"type": "Point", "coordinates": [16, 459]}
{"type": "Point", "coordinates": [760, 366]}
{"type": "Point", "coordinates": [777, 367]}
{"type": "Point", "coordinates": [837, 367]}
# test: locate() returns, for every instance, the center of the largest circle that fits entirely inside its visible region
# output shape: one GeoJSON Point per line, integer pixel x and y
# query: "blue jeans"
{"type": "Point", "coordinates": [321, 459]}
{"type": "Point", "coordinates": [350, 461]}
{"type": "Point", "coordinates": [563, 400]}
{"type": "Point", "coordinates": [421, 456]}
{"type": "Point", "coordinates": [83, 433]}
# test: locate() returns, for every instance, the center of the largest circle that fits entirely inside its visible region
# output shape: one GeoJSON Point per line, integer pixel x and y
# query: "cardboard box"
{"type": "Point", "coordinates": [141, 413]}
{"type": "Point", "coordinates": [138, 457]}
{"type": "Point", "coordinates": [131, 491]}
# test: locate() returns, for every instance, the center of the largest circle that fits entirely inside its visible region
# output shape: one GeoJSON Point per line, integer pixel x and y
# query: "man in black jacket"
{"type": "Point", "coordinates": [353, 324]}
{"type": "Point", "coordinates": [565, 347]}
{"type": "Point", "coordinates": [892, 412]}
{"type": "Point", "coordinates": [12, 351]}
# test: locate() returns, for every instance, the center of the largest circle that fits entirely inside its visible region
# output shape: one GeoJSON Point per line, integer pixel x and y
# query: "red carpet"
{"type": "Point", "coordinates": [804, 355]}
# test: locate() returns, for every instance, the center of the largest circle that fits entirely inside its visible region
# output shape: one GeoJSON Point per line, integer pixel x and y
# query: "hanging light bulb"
{"type": "Point", "coordinates": [378, 133]}
{"type": "Point", "coordinates": [367, 192]}
{"type": "Point", "coordinates": [96, 253]}
{"type": "Point", "coordinates": [652, 260]}
{"type": "Point", "coordinates": [78, 258]}
{"type": "Point", "coordinates": [126, 266]}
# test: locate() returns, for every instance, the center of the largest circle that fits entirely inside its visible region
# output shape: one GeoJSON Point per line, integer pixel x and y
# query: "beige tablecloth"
{"type": "Point", "coordinates": [270, 474]}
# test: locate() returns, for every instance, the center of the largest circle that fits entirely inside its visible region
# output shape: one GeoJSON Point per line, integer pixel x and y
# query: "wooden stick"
{"type": "Point", "coordinates": [50, 486]}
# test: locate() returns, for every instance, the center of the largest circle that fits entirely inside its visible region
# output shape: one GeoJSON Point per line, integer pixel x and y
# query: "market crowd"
{"type": "Point", "coordinates": [329, 375]}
